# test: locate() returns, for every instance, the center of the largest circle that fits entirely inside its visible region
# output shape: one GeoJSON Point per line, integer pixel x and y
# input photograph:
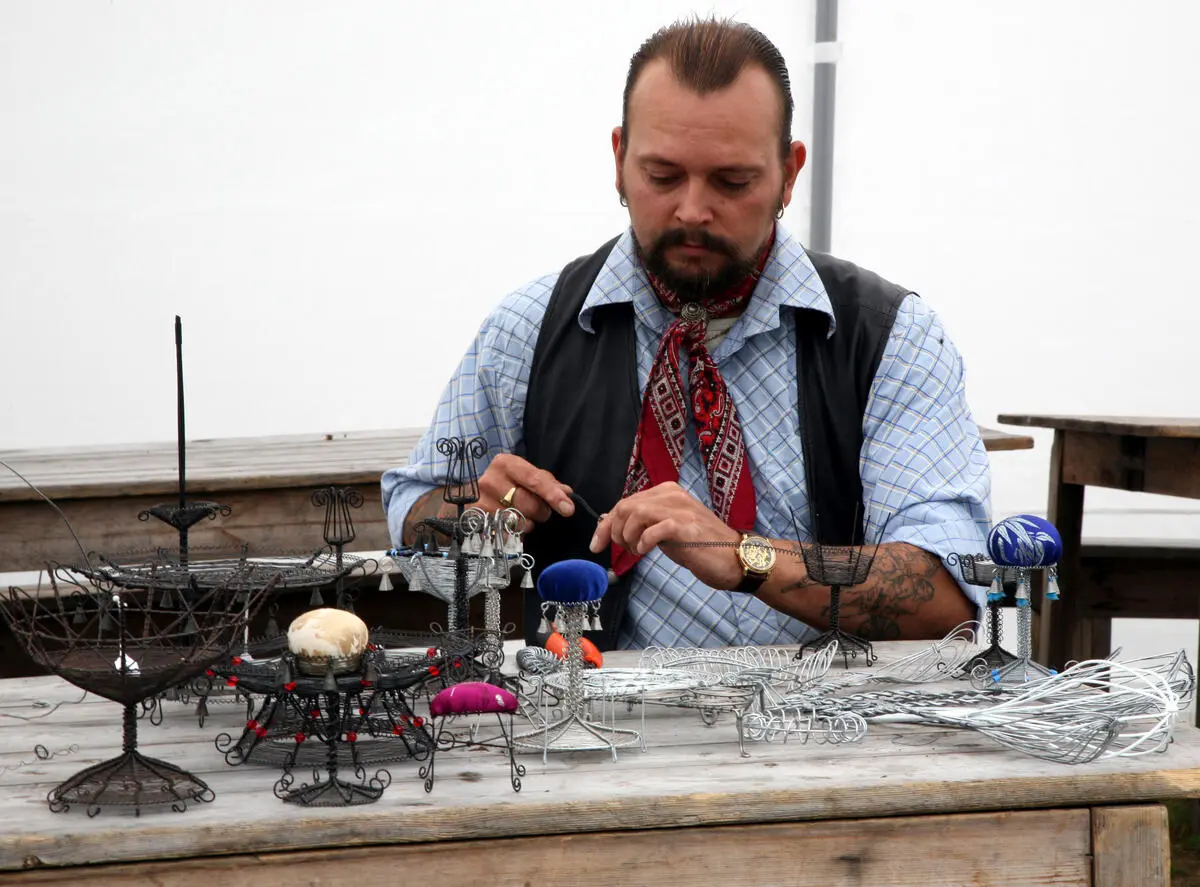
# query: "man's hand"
{"type": "Point", "coordinates": [537, 494]}
{"type": "Point", "coordinates": [668, 513]}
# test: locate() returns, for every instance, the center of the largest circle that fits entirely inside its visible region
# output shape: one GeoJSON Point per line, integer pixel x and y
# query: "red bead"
{"type": "Point", "coordinates": [458, 663]}
{"type": "Point", "coordinates": [261, 732]}
{"type": "Point", "coordinates": [434, 670]}
{"type": "Point", "coordinates": [290, 686]}
{"type": "Point", "coordinates": [299, 737]}
{"type": "Point", "coordinates": [232, 680]}
{"type": "Point", "coordinates": [397, 729]}
{"type": "Point", "coordinates": [237, 660]}
{"type": "Point", "coordinates": [362, 711]}
{"type": "Point", "coordinates": [365, 682]}
{"type": "Point", "coordinates": [352, 736]}
{"type": "Point", "coordinates": [431, 652]}
{"type": "Point", "coordinates": [418, 722]}
{"type": "Point", "coordinates": [316, 712]}
{"type": "Point", "coordinates": [210, 672]}
{"type": "Point", "coordinates": [251, 725]}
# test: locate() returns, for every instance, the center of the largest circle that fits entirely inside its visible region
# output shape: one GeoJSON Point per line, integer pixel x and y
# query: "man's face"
{"type": "Point", "coordinates": [703, 176]}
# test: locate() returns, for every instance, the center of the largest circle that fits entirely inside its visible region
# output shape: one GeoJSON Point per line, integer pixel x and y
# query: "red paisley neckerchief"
{"type": "Point", "coordinates": [658, 445]}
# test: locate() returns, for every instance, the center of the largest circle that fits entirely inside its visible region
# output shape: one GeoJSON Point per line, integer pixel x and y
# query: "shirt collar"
{"type": "Point", "coordinates": [789, 280]}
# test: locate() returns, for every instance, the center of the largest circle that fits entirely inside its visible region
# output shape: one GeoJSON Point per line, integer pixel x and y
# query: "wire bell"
{"type": "Point", "coordinates": [996, 592]}
{"type": "Point", "coordinates": [1052, 584]}
{"type": "Point", "coordinates": [315, 599]}
{"type": "Point", "coordinates": [544, 625]}
{"type": "Point", "coordinates": [1023, 590]}
{"type": "Point", "coordinates": [527, 579]}
{"type": "Point", "coordinates": [385, 581]}
{"type": "Point", "coordinates": [415, 582]}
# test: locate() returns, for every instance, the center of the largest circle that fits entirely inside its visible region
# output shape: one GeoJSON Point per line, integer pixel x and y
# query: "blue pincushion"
{"type": "Point", "coordinates": [573, 582]}
{"type": "Point", "coordinates": [1024, 540]}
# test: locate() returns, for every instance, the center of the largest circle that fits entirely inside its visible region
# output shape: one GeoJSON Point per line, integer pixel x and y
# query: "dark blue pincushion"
{"type": "Point", "coordinates": [573, 582]}
{"type": "Point", "coordinates": [1025, 540]}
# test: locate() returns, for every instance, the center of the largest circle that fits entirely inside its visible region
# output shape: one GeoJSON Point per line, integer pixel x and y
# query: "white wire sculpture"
{"type": "Point", "coordinates": [1094, 709]}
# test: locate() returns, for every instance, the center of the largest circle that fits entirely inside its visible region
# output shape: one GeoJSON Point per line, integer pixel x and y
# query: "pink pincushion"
{"type": "Point", "coordinates": [472, 698]}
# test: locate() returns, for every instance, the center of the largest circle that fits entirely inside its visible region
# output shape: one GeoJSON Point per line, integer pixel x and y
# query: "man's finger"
{"type": "Point", "coordinates": [544, 485]}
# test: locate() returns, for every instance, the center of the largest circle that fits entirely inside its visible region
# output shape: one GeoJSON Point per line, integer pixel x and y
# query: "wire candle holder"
{"type": "Point", "coordinates": [125, 646]}
{"type": "Point", "coordinates": [839, 566]}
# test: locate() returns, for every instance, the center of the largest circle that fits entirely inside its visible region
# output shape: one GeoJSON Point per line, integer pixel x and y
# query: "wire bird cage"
{"type": "Point", "coordinates": [124, 645]}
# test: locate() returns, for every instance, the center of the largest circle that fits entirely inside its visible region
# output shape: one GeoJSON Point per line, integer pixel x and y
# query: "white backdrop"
{"type": "Point", "coordinates": [332, 195]}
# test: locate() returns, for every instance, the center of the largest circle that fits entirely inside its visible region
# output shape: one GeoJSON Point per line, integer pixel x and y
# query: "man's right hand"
{"type": "Point", "coordinates": [537, 492]}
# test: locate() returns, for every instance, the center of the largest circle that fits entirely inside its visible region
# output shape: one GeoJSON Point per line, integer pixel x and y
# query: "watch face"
{"type": "Point", "coordinates": [757, 554]}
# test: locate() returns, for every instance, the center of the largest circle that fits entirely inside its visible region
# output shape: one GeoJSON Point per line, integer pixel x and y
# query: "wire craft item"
{"type": "Point", "coordinates": [123, 645]}
{"type": "Point", "coordinates": [976, 569]}
{"type": "Point", "coordinates": [839, 566]}
{"type": "Point", "coordinates": [378, 722]}
{"type": "Point", "coordinates": [573, 589]}
{"type": "Point", "coordinates": [473, 698]}
{"type": "Point", "coordinates": [1021, 547]}
{"type": "Point", "coordinates": [1095, 709]}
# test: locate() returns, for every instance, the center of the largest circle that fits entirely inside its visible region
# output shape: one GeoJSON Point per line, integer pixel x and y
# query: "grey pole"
{"type": "Point", "coordinates": [821, 150]}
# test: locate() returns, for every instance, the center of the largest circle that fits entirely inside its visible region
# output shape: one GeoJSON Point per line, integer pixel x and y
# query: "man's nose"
{"type": "Point", "coordinates": [695, 207]}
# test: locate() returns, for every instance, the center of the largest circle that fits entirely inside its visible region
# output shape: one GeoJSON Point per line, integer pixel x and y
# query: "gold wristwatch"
{"type": "Point", "coordinates": [757, 557]}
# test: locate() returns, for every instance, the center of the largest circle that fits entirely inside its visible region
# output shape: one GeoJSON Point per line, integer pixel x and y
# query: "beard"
{"type": "Point", "coordinates": [696, 285]}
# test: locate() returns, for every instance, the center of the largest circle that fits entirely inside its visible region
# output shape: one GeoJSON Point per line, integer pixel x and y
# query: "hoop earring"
{"type": "Point", "coordinates": [779, 213]}
{"type": "Point", "coordinates": [624, 202]}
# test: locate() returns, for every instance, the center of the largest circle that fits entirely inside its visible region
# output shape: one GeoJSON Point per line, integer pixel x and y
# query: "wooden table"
{"type": "Point", "coordinates": [909, 805]}
{"type": "Point", "coordinates": [266, 480]}
{"type": "Point", "coordinates": [1151, 455]}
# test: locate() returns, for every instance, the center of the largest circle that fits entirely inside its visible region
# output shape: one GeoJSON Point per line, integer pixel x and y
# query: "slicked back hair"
{"type": "Point", "coordinates": [707, 55]}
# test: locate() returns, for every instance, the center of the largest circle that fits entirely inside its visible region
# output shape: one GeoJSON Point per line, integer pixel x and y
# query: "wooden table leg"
{"type": "Point", "coordinates": [1131, 845]}
{"type": "Point", "coordinates": [1063, 634]}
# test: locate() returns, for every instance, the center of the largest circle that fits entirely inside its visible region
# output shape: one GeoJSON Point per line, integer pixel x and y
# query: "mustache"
{"type": "Point", "coordinates": [706, 239]}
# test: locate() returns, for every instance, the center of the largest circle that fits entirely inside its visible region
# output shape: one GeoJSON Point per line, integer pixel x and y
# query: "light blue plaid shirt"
{"type": "Point", "coordinates": [922, 458]}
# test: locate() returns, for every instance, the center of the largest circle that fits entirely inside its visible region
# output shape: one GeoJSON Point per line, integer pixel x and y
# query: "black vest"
{"type": "Point", "coordinates": [584, 403]}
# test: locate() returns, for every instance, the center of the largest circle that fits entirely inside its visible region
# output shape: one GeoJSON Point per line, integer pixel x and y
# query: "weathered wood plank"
{"type": "Point", "coordinates": [1131, 845]}
{"type": "Point", "coordinates": [1146, 426]}
{"type": "Point", "coordinates": [1024, 848]}
{"type": "Point", "coordinates": [275, 522]}
{"type": "Point", "coordinates": [213, 465]}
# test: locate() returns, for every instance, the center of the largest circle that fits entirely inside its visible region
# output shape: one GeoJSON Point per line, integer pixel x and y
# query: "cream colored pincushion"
{"type": "Point", "coordinates": [324, 637]}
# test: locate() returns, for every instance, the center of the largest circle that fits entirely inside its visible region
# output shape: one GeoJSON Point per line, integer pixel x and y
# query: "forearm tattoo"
{"type": "Point", "coordinates": [430, 504]}
{"type": "Point", "coordinates": [900, 583]}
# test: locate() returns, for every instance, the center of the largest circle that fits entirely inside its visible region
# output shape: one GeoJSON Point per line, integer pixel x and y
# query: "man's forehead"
{"type": "Point", "coordinates": [747, 111]}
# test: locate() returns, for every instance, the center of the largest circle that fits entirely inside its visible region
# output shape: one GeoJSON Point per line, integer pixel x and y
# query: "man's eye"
{"type": "Point", "coordinates": [734, 185]}
{"type": "Point", "coordinates": [662, 181]}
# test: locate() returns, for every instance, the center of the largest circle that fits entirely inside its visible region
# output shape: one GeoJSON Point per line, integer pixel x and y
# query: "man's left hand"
{"type": "Point", "coordinates": [668, 513]}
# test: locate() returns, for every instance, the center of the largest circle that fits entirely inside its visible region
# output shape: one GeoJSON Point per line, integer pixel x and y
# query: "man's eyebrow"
{"type": "Point", "coordinates": [734, 169]}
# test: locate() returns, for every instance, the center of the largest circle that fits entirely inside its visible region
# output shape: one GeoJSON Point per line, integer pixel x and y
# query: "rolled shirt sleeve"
{"type": "Point", "coordinates": [924, 467]}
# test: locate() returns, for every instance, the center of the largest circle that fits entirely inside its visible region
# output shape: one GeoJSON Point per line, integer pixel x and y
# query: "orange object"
{"type": "Point", "coordinates": [557, 645]}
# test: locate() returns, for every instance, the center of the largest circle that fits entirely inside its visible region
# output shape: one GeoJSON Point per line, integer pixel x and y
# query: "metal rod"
{"type": "Point", "coordinates": [179, 407]}
{"type": "Point", "coordinates": [824, 95]}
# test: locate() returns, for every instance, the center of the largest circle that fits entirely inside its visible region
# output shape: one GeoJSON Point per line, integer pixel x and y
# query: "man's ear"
{"type": "Point", "coordinates": [792, 164]}
{"type": "Point", "coordinates": [618, 145]}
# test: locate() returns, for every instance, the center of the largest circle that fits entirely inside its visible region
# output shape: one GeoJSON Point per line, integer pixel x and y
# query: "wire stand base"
{"type": "Point", "coordinates": [107, 784]}
{"type": "Point", "coordinates": [849, 645]}
{"type": "Point", "coordinates": [574, 733]}
{"type": "Point", "coordinates": [333, 791]}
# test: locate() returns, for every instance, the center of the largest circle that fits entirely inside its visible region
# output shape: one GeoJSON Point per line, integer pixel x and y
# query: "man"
{"type": "Point", "coordinates": [716, 394]}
